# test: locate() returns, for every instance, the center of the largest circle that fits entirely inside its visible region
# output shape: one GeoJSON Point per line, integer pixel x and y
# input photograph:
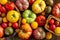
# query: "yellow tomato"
{"type": "Point", "coordinates": [48, 35]}
{"type": "Point", "coordinates": [12, 16]}
{"type": "Point", "coordinates": [23, 21]}
{"type": "Point", "coordinates": [10, 24]}
{"type": "Point", "coordinates": [57, 30]}
{"type": "Point", "coordinates": [3, 2]}
{"type": "Point", "coordinates": [34, 25]}
{"type": "Point", "coordinates": [38, 6]}
{"type": "Point", "coordinates": [4, 19]}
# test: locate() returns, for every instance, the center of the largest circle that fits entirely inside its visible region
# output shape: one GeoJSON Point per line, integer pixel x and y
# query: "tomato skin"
{"type": "Point", "coordinates": [51, 21]}
{"type": "Point", "coordinates": [4, 25]}
{"type": "Point", "coordinates": [52, 27]}
{"type": "Point", "coordinates": [55, 10]}
{"type": "Point", "coordinates": [31, 1]}
{"type": "Point", "coordinates": [1, 32]}
{"type": "Point", "coordinates": [15, 25]}
{"type": "Point", "coordinates": [10, 6]}
{"type": "Point", "coordinates": [57, 24]}
{"type": "Point", "coordinates": [41, 20]}
{"type": "Point", "coordinates": [2, 9]}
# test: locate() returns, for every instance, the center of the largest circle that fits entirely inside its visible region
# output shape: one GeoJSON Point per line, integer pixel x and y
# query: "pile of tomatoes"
{"type": "Point", "coordinates": [34, 16]}
{"type": "Point", "coordinates": [8, 18]}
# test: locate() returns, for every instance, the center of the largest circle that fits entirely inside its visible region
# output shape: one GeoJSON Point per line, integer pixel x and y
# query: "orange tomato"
{"type": "Point", "coordinates": [1, 32]}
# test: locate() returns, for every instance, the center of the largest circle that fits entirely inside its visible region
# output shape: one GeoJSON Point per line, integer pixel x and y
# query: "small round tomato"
{"type": "Point", "coordinates": [10, 24]}
{"type": "Point", "coordinates": [4, 25]}
{"type": "Point", "coordinates": [51, 21]}
{"type": "Point", "coordinates": [10, 6]}
{"type": "Point", "coordinates": [57, 30]}
{"type": "Point", "coordinates": [15, 25]}
{"type": "Point", "coordinates": [31, 1]}
{"type": "Point", "coordinates": [1, 32]}
{"type": "Point", "coordinates": [48, 35]}
{"type": "Point", "coordinates": [52, 27]}
{"type": "Point", "coordinates": [34, 25]}
{"type": "Point", "coordinates": [4, 19]}
{"type": "Point", "coordinates": [41, 20]}
{"type": "Point", "coordinates": [57, 23]}
{"type": "Point", "coordinates": [23, 21]}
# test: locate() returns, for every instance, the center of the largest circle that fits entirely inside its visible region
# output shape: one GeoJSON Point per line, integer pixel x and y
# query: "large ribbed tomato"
{"type": "Point", "coordinates": [13, 16]}
{"type": "Point", "coordinates": [56, 10]}
{"type": "Point", "coordinates": [41, 20]}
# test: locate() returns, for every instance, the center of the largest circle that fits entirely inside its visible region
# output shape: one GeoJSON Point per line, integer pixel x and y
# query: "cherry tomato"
{"type": "Point", "coordinates": [31, 1]}
{"type": "Point", "coordinates": [15, 25]}
{"type": "Point", "coordinates": [4, 25]}
{"type": "Point", "coordinates": [57, 23]}
{"type": "Point", "coordinates": [10, 6]}
{"type": "Point", "coordinates": [52, 27]}
{"type": "Point", "coordinates": [51, 21]}
{"type": "Point", "coordinates": [2, 9]}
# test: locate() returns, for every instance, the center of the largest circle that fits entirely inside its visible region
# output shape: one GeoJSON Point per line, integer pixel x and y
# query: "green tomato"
{"type": "Point", "coordinates": [29, 16]}
{"type": "Point", "coordinates": [8, 31]}
{"type": "Point", "coordinates": [49, 2]}
{"type": "Point", "coordinates": [48, 9]}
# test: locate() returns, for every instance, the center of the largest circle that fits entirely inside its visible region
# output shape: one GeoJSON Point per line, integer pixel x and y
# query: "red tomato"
{"type": "Point", "coordinates": [10, 6]}
{"type": "Point", "coordinates": [56, 10]}
{"type": "Point", "coordinates": [52, 27]}
{"type": "Point", "coordinates": [4, 25]}
{"type": "Point", "coordinates": [51, 21]}
{"type": "Point", "coordinates": [15, 25]}
{"type": "Point", "coordinates": [31, 1]}
{"type": "Point", "coordinates": [1, 32]}
{"type": "Point", "coordinates": [41, 20]}
{"type": "Point", "coordinates": [57, 24]}
{"type": "Point", "coordinates": [2, 9]}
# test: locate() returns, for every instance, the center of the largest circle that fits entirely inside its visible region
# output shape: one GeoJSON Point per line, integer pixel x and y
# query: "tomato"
{"type": "Point", "coordinates": [23, 21]}
{"type": "Point", "coordinates": [56, 10]}
{"type": "Point", "coordinates": [3, 2]}
{"type": "Point", "coordinates": [1, 32]}
{"type": "Point", "coordinates": [10, 6]}
{"type": "Point", "coordinates": [48, 35]}
{"type": "Point", "coordinates": [9, 31]}
{"type": "Point", "coordinates": [4, 25]}
{"type": "Point", "coordinates": [15, 25]}
{"type": "Point", "coordinates": [5, 19]}
{"type": "Point", "coordinates": [34, 25]}
{"type": "Point", "coordinates": [25, 31]}
{"type": "Point", "coordinates": [52, 27]}
{"type": "Point", "coordinates": [31, 1]}
{"type": "Point", "coordinates": [51, 21]}
{"type": "Point", "coordinates": [57, 23]}
{"type": "Point", "coordinates": [41, 20]}
{"type": "Point", "coordinates": [2, 9]}
{"type": "Point", "coordinates": [57, 30]}
{"type": "Point", "coordinates": [9, 24]}
{"type": "Point", "coordinates": [13, 16]}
